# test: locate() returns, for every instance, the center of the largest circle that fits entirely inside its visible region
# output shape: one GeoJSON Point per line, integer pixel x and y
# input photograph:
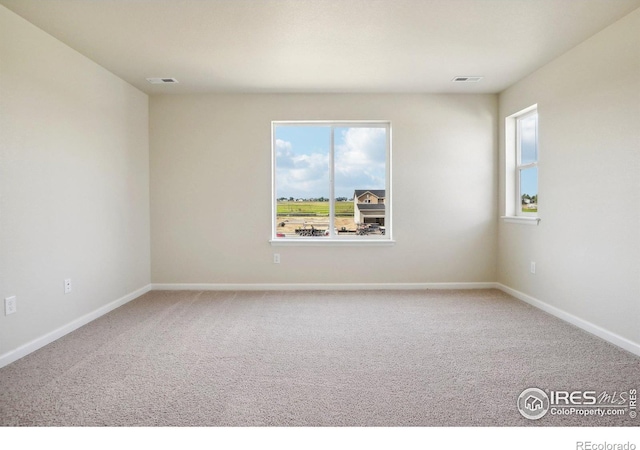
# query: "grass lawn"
{"type": "Point", "coordinates": [313, 209]}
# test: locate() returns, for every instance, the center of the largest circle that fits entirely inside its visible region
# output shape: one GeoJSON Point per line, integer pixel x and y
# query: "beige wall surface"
{"type": "Point", "coordinates": [587, 245]}
{"type": "Point", "coordinates": [74, 184]}
{"type": "Point", "coordinates": [211, 190]}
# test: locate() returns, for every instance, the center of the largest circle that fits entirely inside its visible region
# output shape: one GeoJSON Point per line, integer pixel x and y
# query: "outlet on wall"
{"type": "Point", "coordinates": [10, 305]}
{"type": "Point", "coordinates": [276, 258]}
{"type": "Point", "coordinates": [67, 285]}
{"type": "Point", "coordinates": [533, 267]}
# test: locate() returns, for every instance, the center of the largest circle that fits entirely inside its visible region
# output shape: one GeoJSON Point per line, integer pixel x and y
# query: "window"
{"type": "Point", "coordinates": [331, 181]}
{"type": "Point", "coordinates": [527, 163]}
{"type": "Point", "coordinates": [521, 166]}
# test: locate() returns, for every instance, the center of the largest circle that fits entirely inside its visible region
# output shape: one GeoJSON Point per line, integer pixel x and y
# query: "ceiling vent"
{"type": "Point", "coordinates": [162, 80]}
{"type": "Point", "coordinates": [466, 79]}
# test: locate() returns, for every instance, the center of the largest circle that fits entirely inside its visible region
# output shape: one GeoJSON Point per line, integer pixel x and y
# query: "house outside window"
{"type": "Point", "coordinates": [331, 182]}
{"type": "Point", "coordinates": [369, 207]}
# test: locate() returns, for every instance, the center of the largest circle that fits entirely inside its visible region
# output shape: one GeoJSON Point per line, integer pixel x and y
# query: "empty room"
{"type": "Point", "coordinates": [320, 213]}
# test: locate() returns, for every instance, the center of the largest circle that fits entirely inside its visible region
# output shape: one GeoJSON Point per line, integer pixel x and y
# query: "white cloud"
{"type": "Point", "coordinates": [305, 175]}
{"type": "Point", "coordinates": [284, 153]}
{"type": "Point", "coordinates": [360, 159]}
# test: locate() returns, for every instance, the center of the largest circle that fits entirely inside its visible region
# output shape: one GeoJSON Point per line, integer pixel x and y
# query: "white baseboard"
{"type": "Point", "coordinates": [48, 338]}
{"type": "Point", "coordinates": [602, 333]}
{"type": "Point", "coordinates": [315, 286]}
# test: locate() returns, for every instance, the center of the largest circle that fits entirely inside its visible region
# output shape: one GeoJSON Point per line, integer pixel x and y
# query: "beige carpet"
{"type": "Point", "coordinates": [360, 358]}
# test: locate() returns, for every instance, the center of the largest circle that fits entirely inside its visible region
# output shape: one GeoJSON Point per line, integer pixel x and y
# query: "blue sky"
{"type": "Point", "coordinates": [302, 160]}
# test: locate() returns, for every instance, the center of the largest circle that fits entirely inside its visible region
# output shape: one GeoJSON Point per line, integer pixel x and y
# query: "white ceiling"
{"type": "Point", "coordinates": [322, 45]}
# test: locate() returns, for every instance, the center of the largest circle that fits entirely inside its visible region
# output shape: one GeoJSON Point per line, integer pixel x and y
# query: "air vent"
{"type": "Point", "coordinates": [162, 80]}
{"type": "Point", "coordinates": [466, 79]}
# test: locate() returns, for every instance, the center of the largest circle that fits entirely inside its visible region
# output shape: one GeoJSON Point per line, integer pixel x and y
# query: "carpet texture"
{"type": "Point", "coordinates": [312, 358]}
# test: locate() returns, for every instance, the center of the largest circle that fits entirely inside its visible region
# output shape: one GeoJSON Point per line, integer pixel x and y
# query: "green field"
{"type": "Point", "coordinates": [313, 209]}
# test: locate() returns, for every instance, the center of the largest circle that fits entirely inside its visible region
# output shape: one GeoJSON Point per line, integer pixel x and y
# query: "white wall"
{"type": "Point", "coordinates": [587, 246]}
{"type": "Point", "coordinates": [74, 184]}
{"type": "Point", "coordinates": [211, 190]}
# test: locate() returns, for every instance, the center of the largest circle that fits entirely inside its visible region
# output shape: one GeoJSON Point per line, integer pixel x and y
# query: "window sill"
{"type": "Point", "coordinates": [303, 242]}
{"type": "Point", "coordinates": [522, 220]}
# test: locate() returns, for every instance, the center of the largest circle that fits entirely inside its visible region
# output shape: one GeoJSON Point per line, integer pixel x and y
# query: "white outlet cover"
{"type": "Point", "coordinates": [10, 305]}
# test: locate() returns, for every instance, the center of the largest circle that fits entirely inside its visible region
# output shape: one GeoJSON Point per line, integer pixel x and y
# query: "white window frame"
{"type": "Point", "coordinates": [333, 238]}
{"type": "Point", "coordinates": [514, 168]}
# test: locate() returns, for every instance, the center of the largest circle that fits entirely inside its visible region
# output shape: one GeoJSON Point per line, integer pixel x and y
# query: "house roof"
{"type": "Point", "coordinates": [371, 206]}
{"type": "Point", "coordinates": [380, 193]}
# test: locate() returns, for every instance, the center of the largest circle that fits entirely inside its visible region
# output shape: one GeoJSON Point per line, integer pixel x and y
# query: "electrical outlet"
{"type": "Point", "coordinates": [276, 258]}
{"type": "Point", "coordinates": [67, 285]}
{"type": "Point", "coordinates": [533, 267]}
{"type": "Point", "coordinates": [10, 305]}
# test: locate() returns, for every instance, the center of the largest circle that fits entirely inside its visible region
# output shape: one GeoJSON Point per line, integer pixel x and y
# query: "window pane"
{"type": "Point", "coordinates": [360, 180]}
{"type": "Point", "coordinates": [302, 180]}
{"type": "Point", "coordinates": [528, 139]}
{"type": "Point", "coordinates": [529, 189]}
